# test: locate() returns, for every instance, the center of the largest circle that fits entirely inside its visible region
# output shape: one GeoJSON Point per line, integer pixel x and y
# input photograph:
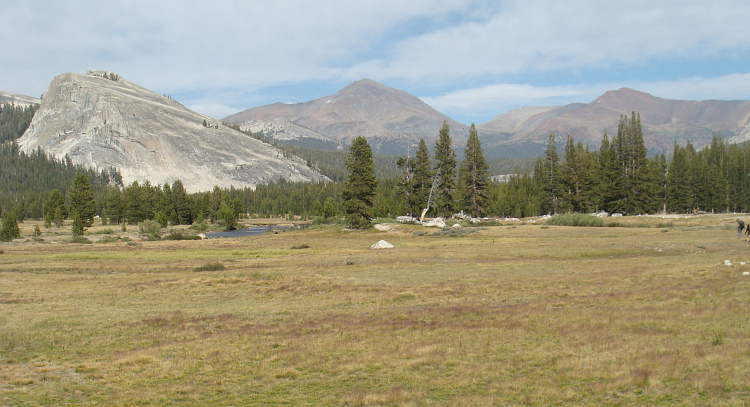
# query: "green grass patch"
{"type": "Point", "coordinates": [575, 219]}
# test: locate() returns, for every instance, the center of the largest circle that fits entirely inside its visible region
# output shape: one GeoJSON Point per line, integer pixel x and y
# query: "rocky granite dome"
{"type": "Point", "coordinates": [389, 118]}
{"type": "Point", "coordinates": [102, 121]}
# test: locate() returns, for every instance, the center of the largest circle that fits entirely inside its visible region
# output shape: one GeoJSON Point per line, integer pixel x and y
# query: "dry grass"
{"type": "Point", "coordinates": [512, 315]}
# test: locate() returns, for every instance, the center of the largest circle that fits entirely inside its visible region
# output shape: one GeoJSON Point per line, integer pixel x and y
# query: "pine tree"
{"type": "Point", "coordinates": [633, 166]}
{"type": "Point", "coordinates": [9, 230]}
{"type": "Point", "coordinates": [54, 201]}
{"type": "Point", "coordinates": [182, 203]}
{"type": "Point", "coordinates": [474, 176]}
{"type": "Point", "coordinates": [359, 189]}
{"type": "Point", "coordinates": [445, 168]}
{"type": "Point", "coordinates": [421, 179]}
{"type": "Point", "coordinates": [547, 175]}
{"type": "Point", "coordinates": [82, 199]}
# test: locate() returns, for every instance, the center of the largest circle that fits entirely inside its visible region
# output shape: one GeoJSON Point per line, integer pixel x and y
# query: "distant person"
{"type": "Point", "coordinates": [740, 227]}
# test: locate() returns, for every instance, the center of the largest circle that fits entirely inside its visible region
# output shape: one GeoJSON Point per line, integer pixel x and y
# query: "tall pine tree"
{"type": "Point", "coordinates": [445, 168]}
{"type": "Point", "coordinates": [421, 178]}
{"type": "Point", "coordinates": [359, 189]}
{"type": "Point", "coordinates": [82, 200]}
{"type": "Point", "coordinates": [474, 176]}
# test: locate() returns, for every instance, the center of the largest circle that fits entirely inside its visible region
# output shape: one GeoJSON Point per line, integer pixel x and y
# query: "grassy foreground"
{"type": "Point", "coordinates": [512, 315]}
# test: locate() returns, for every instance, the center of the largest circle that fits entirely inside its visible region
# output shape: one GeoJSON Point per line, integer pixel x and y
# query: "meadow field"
{"type": "Point", "coordinates": [512, 315]}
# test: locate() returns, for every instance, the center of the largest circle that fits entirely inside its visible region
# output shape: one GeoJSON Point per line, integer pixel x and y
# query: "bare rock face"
{"type": "Point", "coordinates": [101, 120]}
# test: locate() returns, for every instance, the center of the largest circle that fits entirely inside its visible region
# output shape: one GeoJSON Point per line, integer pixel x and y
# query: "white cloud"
{"type": "Point", "coordinates": [728, 87]}
{"type": "Point", "coordinates": [543, 36]}
{"type": "Point", "coordinates": [487, 101]}
{"type": "Point", "coordinates": [225, 53]}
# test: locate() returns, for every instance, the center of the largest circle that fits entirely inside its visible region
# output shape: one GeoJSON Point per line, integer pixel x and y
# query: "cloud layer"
{"type": "Point", "coordinates": [464, 57]}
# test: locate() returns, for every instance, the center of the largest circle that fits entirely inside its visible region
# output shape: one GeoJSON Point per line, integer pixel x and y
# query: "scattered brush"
{"type": "Point", "coordinates": [575, 219]}
{"type": "Point", "coordinates": [79, 240]}
{"type": "Point", "coordinates": [106, 231]}
{"type": "Point", "coordinates": [108, 239]}
{"type": "Point", "coordinates": [302, 246]}
{"type": "Point", "coordinates": [177, 235]}
{"type": "Point", "coordinates": [455, 232]}
{"type": "Point", "coordinates": [211, 267]}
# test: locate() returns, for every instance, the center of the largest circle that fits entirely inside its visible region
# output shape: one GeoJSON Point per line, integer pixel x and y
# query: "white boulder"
{"type": "Point", "coordinates": [437, 222]}
{"type": "Point", "coordinates": [382, 245]}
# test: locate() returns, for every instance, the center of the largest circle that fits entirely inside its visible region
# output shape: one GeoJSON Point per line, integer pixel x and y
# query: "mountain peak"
{"type": "Point", "coordinates": [390, 118]}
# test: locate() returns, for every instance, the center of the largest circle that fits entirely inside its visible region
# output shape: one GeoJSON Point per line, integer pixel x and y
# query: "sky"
{"type": "Point", "coordinates": [470, 60]}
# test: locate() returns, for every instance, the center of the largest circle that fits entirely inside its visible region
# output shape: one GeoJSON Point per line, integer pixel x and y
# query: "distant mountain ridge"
{"type": "Point", "coordinates": [664, 121]}
{"type": "Point", "coordinates": [392, 120]}
{"type": "Point", "coordinates": [101, 120]}
{"type": "Point", "coordinates": [18, 100]}
{"type": "Point", "coordinates": [389, 118]}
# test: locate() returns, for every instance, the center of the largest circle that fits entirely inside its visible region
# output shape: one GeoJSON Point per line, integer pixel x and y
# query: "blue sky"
{"type": "Point", "coordinates": [471, 60]}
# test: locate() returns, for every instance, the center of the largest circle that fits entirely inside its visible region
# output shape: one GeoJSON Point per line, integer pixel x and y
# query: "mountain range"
{"type": "Point", "coordinates": [101, 120]}
{"type": "Point", "coordinates": [393, 120]}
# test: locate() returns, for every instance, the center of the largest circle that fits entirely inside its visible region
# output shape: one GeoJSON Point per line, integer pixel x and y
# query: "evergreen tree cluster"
{"type": "Point", "coordinates": [27, 180]}
{"type": "Point", "coordinates": [14, 120]}
{"type": "Point", "coordinates": [620, 178]}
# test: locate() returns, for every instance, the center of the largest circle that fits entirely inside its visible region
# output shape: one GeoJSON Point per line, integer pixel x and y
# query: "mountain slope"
{"type": "Point", "coordinates": [389, 118]}
{"type": "Point", "coordinates": [101, 120]}
{"type": "Point", "coordinates": [664, 121]}
{"type": "Point", "coordinates": [18, 100]}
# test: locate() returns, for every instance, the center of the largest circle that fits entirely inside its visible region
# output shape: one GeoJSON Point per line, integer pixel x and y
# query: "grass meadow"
{"type": "Point", "coordinates": [511, 315]}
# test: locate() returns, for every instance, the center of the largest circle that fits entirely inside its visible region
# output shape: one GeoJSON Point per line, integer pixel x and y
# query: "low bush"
{"type": "Point", "coordinates": [302, 246]}
{"type": "Point", "coordinates": [108, 239]}
{"type": "Point", "coordinates": [456, 232]}
{"type": "Point", "coordinates": [106, 231]}
{"type": "Point", "coordinates": [177, 235]}
{"type": "Point", "coordinates": [576, 219]}
{"type": "Point", "coordinates": [210, 267]}
{"type": "Point", "coordinates": [150, 228]}
{"type": "Point", "coordinates": [80, 240]}
{"type": "Point", "coordinates": [199, 226]}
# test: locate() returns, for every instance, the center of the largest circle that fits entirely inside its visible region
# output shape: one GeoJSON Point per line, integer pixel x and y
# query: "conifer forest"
{"type": "Point", "coordinates": [618, 178]}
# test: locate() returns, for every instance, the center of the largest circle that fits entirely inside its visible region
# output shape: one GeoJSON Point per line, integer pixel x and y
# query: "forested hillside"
{"type": "Point", "coordinates": [27, 180]}
{"type": "Point", "coordinates": [14, 120]}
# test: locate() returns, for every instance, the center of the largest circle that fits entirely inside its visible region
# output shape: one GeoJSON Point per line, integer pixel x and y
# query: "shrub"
{"type": "Point", "coordinates": [108, 239]}
{"type": "Point", "coordinates": [210, 267]}
{"type": "Point", "coordinates": [177, 235]}
{"type": "Point", "coordinates": [575, 219]}
{"type": "Point", "coordinates": [302, 246]}
{"type": "Point", "coordinates": [80, 240]}
{"type": "Point", "coordinates": [150, 228]}
{"type": "Point", "coordinates": [199, 226]}
{"type": "Point", "coordinates": [106, 231]}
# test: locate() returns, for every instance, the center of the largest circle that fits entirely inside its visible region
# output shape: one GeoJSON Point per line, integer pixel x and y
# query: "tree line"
{"type": "Point", "coordinates": [619, 177]}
